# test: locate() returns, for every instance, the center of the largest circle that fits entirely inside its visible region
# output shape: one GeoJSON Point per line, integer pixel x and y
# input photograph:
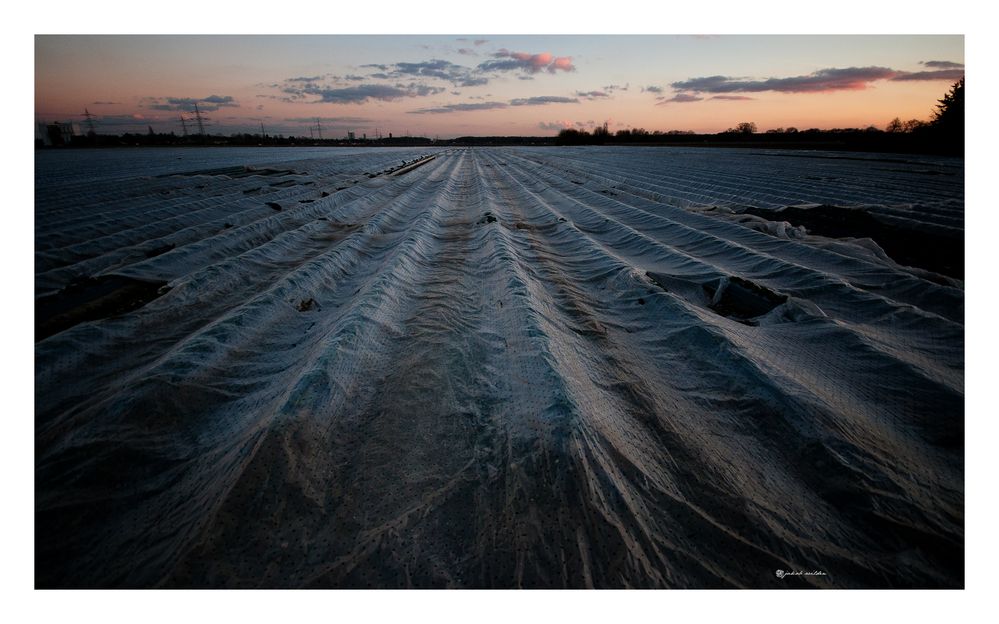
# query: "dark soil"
{"type": "Point", "coordinates": [90, 299]}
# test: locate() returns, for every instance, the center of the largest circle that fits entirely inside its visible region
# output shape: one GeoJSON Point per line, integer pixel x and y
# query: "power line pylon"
{"type": "Point", "coordinates": [200, 119]}
{"type": "Point", "coordinates": [90, 122]}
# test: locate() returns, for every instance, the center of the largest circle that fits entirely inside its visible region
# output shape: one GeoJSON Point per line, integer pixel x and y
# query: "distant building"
{"type": "Point", "coordinates": [57, 133]}
{"type": "Point", "coordinates": [350, 135]}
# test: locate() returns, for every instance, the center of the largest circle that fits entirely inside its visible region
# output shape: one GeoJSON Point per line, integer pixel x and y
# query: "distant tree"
{"type": "Point", "coordinates": [775, 131]}
{"type": "Point", "coordinates": [913, 125]}
{"type": "Point", "coordinates": [571, 136]}
{"type": "Point", "coordinates": [895, 125]}
{"type": "Point", "coordinates": [601, 134]}
{"type": "Point", "coordinates": [746, 127]}
{"type": "Point", "coordinates": [791, 130]}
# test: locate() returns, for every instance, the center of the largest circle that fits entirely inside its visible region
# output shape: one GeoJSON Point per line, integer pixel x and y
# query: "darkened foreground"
{"type": "Point", "coordinates": [498, 367]}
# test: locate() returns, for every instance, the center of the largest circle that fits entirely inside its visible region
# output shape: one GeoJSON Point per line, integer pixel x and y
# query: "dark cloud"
{"type": "Point", "coordinates": [418, 89]}
{"type": "Point", "coordinates": [207, 104]}
{"type": "Point", "coordinates": [543, 99]}
{"type": "Point", "coordinates": [313, 89]}
{"type": "Point", "coordinates": [313, 92]}
{"type": "Point", "coordinates": [465, 106]}
{"type": "Point", "coordinates": [505, 60]}
{"type": "Point", "coordinates": [439, 69]}
{"type": "Point", "coordinates": [436, 68]}
{"type": "Point", "coordinates": [297, 94]}
{"type": "Point", "coordinates": [461, 76]}
{"type": "Point", "coordinates": [652, 89]}
{"type": "Point", "coordinates": [679, 98]}
{"type": "Point", "coordinates": [358, 94]}
{"type": "Point", "coordinates": [614, 87]}
{"type": "Point", "coordinates": [832, 79]}
{"type": "Point", "coordinates": [501, 65]}
{"type": "Point", "coordinates": [474, 82]}
{"type": "Point", "coordinates": [592, 95]}
{"type": "Point", "coordinates": [100, 103]}
{"type": "Point", "coordinates": [938, 74]}
{"type": "Point", "coordinates": [221, 100]}
{"type": "Point", "coordinates": [942, 64]}
{"type": "Point", "coordinates": [730, 97]}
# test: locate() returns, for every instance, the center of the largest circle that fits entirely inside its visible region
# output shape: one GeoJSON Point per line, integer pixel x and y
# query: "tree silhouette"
{"type": "Point", "coordinates": [949, 115]}
{"type": "Point", "coordinates": [601, 134]}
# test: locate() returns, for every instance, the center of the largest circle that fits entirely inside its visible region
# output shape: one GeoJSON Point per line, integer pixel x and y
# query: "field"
{"type": "Point", "coordinates": [498, 367]}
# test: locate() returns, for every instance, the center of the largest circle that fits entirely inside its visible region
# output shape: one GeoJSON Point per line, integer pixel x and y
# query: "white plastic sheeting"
{"type": "Point", "coordinates": [544, 367]}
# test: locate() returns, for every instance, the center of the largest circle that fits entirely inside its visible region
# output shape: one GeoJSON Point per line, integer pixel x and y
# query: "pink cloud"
{"type": "Point", "coordinates": [530, 63]}
{"type": "Point", "coordinates": [537, 62]}
{"type": "Point", "coordinates": [563, 63]}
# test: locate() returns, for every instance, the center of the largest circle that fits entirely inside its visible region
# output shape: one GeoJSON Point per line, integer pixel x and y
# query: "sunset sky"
{"type": "Point", "coordinates": [454, 85]}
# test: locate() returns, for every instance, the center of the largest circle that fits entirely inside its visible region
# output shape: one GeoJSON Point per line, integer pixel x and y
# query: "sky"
{"type": "Point", "coordinates": [487, 85]}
